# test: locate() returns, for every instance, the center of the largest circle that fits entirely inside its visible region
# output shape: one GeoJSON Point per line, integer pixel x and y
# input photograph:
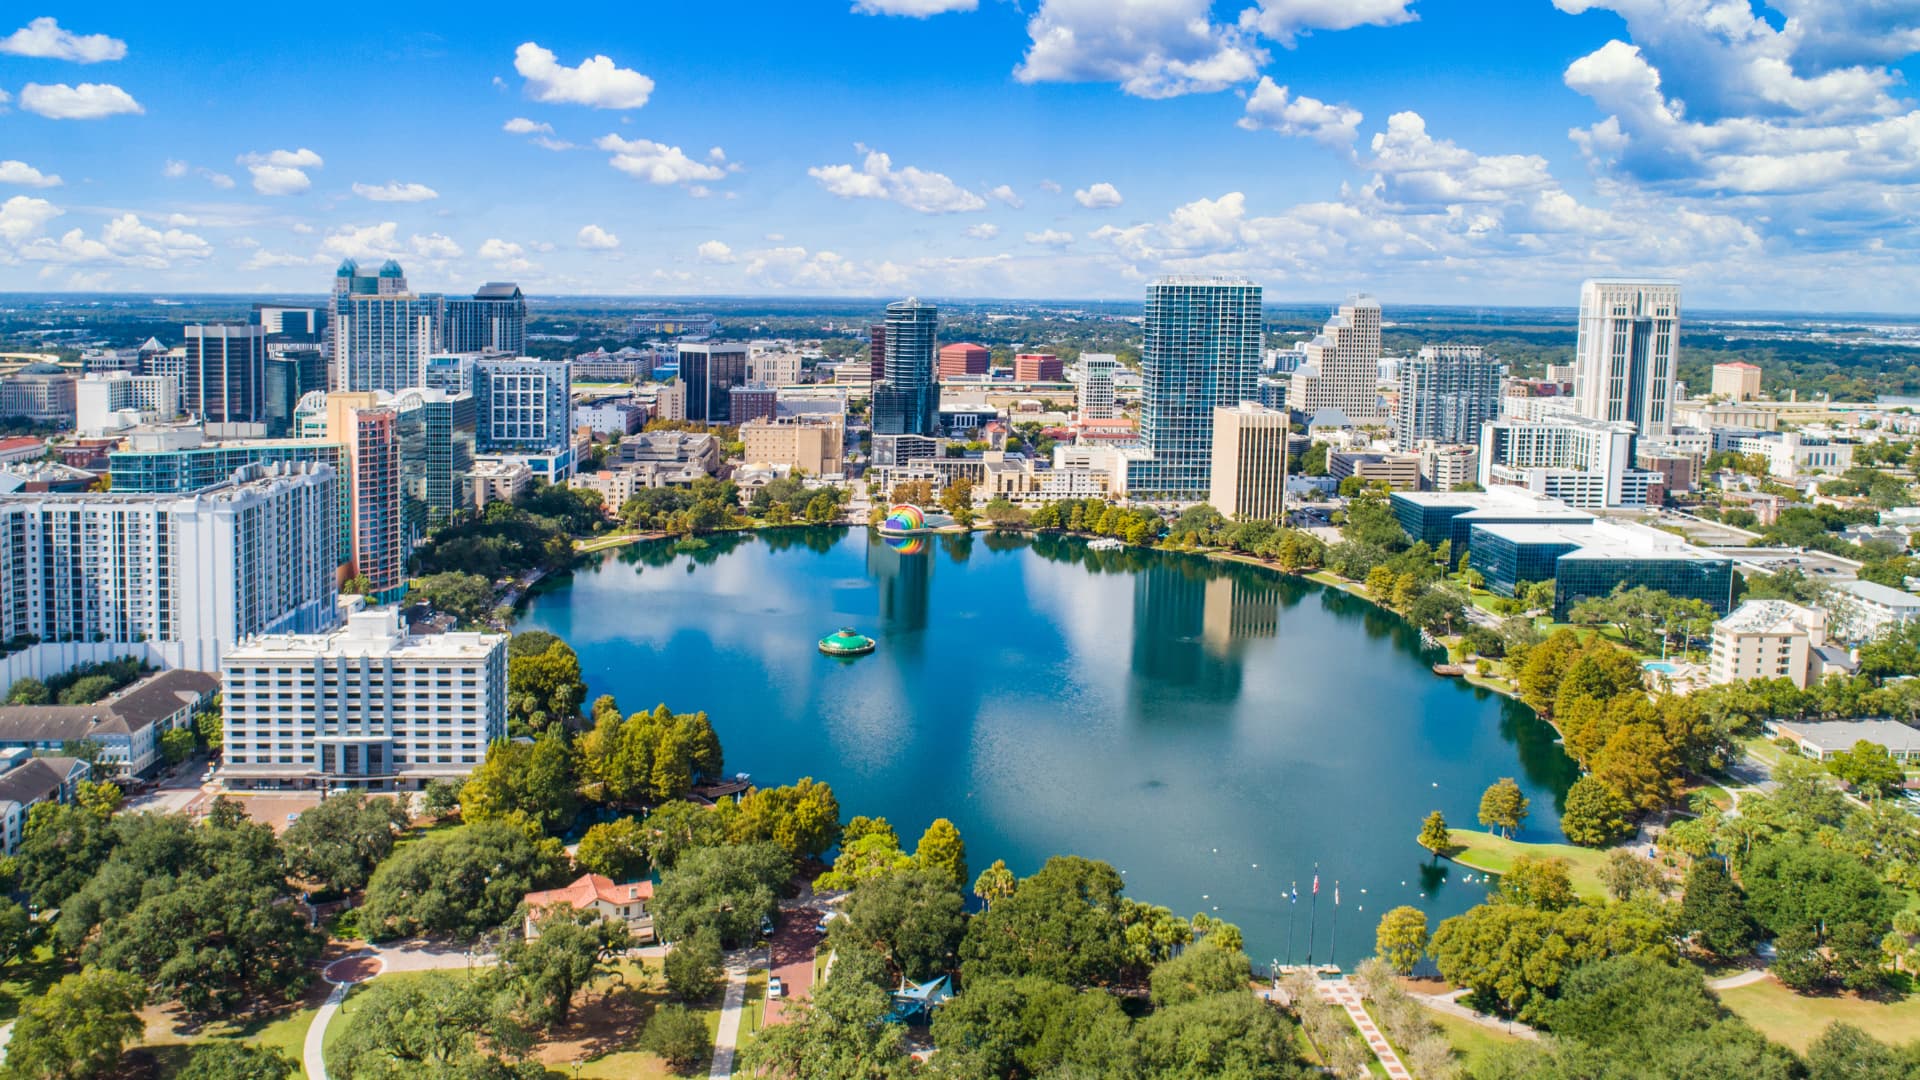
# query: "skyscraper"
{"type": "Point", "coordinates": [1249, 475]}
{"type": "Point", "coordinates": [1096, 385]}
{"type": "Point", "coordinates": [908, 400]}
{"type": "Point", "coordinates": [495, 320]}
{"type": "Point", "coordinates": [523, 405]}
{"type": "Point", "coordinates": [711, 371]}
{"type": "Point", "coordinates": [370, 437]}
{"type": "Point", "coordinates": [225, 380]}
{"type": "Point", "coordinates": [382, 333]}
{"type": "Point", "coordinates": [1341, 368]}
{"type": "Point", "coordinates": [1446, 393]}
{"type": "Point", "coordinates": [1201, 349]}
{"type": "Point", "coordinates": [1623, 359]}
{"type": "Point", "coordinates": [438, 437]}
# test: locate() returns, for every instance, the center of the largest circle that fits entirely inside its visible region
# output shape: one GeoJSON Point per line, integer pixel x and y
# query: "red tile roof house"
{"type": "Point", "coordinates": [593, 892]}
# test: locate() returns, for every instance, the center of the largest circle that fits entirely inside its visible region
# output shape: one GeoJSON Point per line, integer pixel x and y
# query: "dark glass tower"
{"type": "Point", "coordinates": [907, 402]}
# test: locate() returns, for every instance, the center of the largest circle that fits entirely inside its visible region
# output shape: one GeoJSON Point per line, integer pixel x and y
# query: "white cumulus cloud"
{"type": "Point", "coordinates": [520, 125]}
{"type": "Point", "coordinates": [1098, 197]}
{"type": "Point", "coordinates": [918, 9]}
{"type": "Point", "coordinates": [1284, 20]}
{"type": "Point", "coordinates": [434, 246]}
{"type": "Point", "coordinates": [123, 241]}
{"type": "Point", "coordinates": [714, 251]}
{"type": "Point", "coordinates": [1152, 48]}
{"type": "Point", "coordinates": [1005, 193]}
{"type": "Point", "coordinates": [23, 216]}
{"type": "Point", "coordinates": [174, 169]}
{"type": "Point", "coordinates": [43, 38]}
{"type": "Point", "coordinates": [1050, 238]}
{"type": "Point", "coordinates": [595, 238]}
{"type": "Point", "coordinates": [657, 163]}
{"type": "Point", "coordinates": [395, 191]}
{"type": "Point", "coordinates": [916, 189]}
{"type": "Point", "coordinates": [281, 172]}
{"type": "Point", "coordinates": [88, 101]}
{"type": "Point", "coordinates": [1272, 108]}
{"type": "Point", "coordinates": [25, 175]}
{"type": "Point", "coordinates": [380, 241]}
{"type": "Point", "coordinates": [597, 81]}
{"type": "Point", "coordinates": [983, 231]}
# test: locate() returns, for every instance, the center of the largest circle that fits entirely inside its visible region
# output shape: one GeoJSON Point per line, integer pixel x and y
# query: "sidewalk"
{"type": "Point", "coordinates": [1343, 993]}
{"type": "Point", "coordinates": [725, 1041]}
{"type": "Point", "coordinates": [1448, 1004]}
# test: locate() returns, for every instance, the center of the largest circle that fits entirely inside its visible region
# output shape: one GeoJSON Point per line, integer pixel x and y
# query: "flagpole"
{"type": "Point", "coordinates": [1293, 908]}
{"type": "Point", "coordinates": [1313, 914]}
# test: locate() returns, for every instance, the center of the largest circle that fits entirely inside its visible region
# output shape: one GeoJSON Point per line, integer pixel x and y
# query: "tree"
{"type": "Point", "coordinates": [1513, 957]}
{"type": "Point", "coordinates": [460, 882]}
{"type": "Point", "coordinates": [101, 798]}
{"type": "Point", "coordinates": [29, 691]}
{"type": "Point", "coordinates": [674, 828]}
{"type": "Point", "coordinates": [1434, 834]}
{"type": "Point", "coordinates": [1401, 938]}
{"type": "Point", "coordinates": [680, 1037]}
{"type": "Point", "coordinates": [176, 745]}
{"type": "Point", "coordinates": [803, 818]}
{"type": "Point", "coordinates": [727, 890]}
{"type": "Point", "coordinates": [338, 843]}
{"type": "Point", "coordinates": [837, 1034]}
{"type": "Point", "coordinates": [1640, 1016]}
{"type": "Point", "coordinates": [1502, 806]}
{"type": "Point", "coordinates": [1062, 923]}
{"type": "Point", "coordinates": [1595, 814]}
{"type": "Point", "coordinates": [77, 1029]}
{"type": "Point", "coordinates": [866, 856]}
{"type": "Point", "coordinates": [544, 972]}
{"type": "Point", "coordinates": [996, 882]}
{"type": "Point", "coordinates": [913, 918]}
{"type": "Point", "coordinates": [1868, 768]}
{"type": "Point", "coordinates": [1627, 875]}
{"type": "Point", "coordinates": [615, 849]}
{"type": "Point", "coordinates": [217, 1059]}
{"type": "Point", "coordinates": [467, 597]}
{"type": "Point", "coordinates": [1198, 973]}
{"type": "Point", "coordinates": [1537, 883]}
{"type": "Point", "coordinates": [440, 798]}
{"type": "Point", "coordinates": [1801, 886]}
{"type": "Point", "coordinates": [1844, 1052]}
{"type": "Point", "coordinates": [432, 1026]}
{"type": "Point", "coordinates": [543, 687]}
{"type": "Point", "coordinates": [647, 757]}
{"type": "Point", "coordinates": [532, 779]}
{"type": "Point", "coordinates": [1225, 1035]}
{"type": "Point", "coordinates": [941, 850]}
{"type": "Point", "coordinates": [692, 967]}
{"type": "Point", "coordinates": [1714, 910]}
{"type": "Point", "coordinates": [1639, 763]}
{"type": "Point", "coordinates": [60, 850]}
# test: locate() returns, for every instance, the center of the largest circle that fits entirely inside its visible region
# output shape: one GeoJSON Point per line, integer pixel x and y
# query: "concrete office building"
{"type": "Point", "coordinates": [710, 371]}
{"type": "Point", "coordinates": [1037, 367]}
{"type": "Point", "coordinates": [1446, 393]}
{"type": "Point", "coordinates": [1591, 559]}
{"type": "Point", "coordinates": [382, 333]}
{"type": "Point", "coordinates": [523, 406]}
{"type": "Point", "coordinates": [907, 399]}
{"type": "Point", "coordinates": [815, 445]}
{"type": "Point", "coordinates": [225, 381]}
{"type": "Point", "coordinates": [1448, 517]}
{"type": "Point", "coordinates": [494, 320]}
{"type": "Point", "coordinates": [1401, 472]}
{"type": "Point", "coordinates": [111, 402]}
{"type": "Point", "coordinates": [1341, 369]}
{"type": "Point", "coordinates": [1443, 468]}
{"type": "Point", "coordinates": [289, 323]}
{"type": "Point", "coordinates": [1585, 463]}
{"type": "Point", "coordinates": [1201, 350]}
{"type": "Point", "coordinates": [775, 367]}
{"type": "Point", "coordinates": [1624, 355]}
{"type": "Point", "coordinates": [367, 706]}
{"type": "Point", "coordinates": [1794, 454]}
{"type": "Point", "coordinates": [965, 358]}
{"type": "Point", "coordinates": [499, 481]}
{"type": "Point", "coordinates": [1249, 475]}
{"type": "Point", "coordinates": [1736, 380]}
{"type": "Point", "coordinates": [1769, 639]}
{"type": "Point", "coordinates": [752, 401]}
{"type": "Point", "coordinates": [1096, 398]}
{"type": "Point", "coordinates": [175, 461]}
{"type": "Point", "coordinates": [40, 394]}
{"type": "Point", "coordinates": [183, 576]}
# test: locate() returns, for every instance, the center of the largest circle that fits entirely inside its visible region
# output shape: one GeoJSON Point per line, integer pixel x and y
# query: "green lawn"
{"type": "Point", "coordinates": [285, 1031]}
{"type": "Point", "coordinates": [28, 978]}
{"type": "Point", "coordinates": [1795, 1020]}
{"type": "Point", "coordinates": [1470, 1040]}
{"type": "Point", "coordinates": [1485, 851]}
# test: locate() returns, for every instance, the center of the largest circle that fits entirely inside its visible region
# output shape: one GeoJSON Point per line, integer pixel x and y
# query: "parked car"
{"type": "Point", "coordinates": [775, 988]}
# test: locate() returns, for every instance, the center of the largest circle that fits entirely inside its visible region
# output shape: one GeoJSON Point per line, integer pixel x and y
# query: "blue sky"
{"type": "Point", "coordinates": [1493, 152]}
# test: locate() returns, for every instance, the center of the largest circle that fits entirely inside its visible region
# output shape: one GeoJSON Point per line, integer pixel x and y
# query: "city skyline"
{"type": "Point", "coordinates": [1400, 147]}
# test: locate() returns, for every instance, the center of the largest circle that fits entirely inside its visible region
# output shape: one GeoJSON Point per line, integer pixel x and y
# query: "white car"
{"type": "Point", "coordinates": [775, 988]}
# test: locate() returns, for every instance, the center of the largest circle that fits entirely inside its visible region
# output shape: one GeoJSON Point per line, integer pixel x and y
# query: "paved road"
{"type": "Point", "coordinates": [791, 958]}
{"type": "Point", "coordinates": [728, 1037]}
{"type": "Point", "coordinates": [1745, 978]}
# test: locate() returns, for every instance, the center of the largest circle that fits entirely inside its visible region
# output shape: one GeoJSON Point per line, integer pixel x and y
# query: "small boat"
{"type": "Point", "coordinates": [847, 642]}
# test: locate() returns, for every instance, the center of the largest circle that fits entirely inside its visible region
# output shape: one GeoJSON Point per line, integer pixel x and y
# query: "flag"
{"type": "Point", "coordinates": [1316, 884]}
{"type": "Point", "coordinates": [1336, 894]}
{"type": "Point", "coordinates": [1295, 898]}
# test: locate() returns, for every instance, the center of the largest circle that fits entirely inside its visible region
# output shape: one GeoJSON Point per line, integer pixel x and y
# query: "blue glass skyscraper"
{"type": "Point", "coordinates": [1201, 349]}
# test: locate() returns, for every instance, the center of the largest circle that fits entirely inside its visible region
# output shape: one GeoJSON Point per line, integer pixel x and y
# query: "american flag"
{"type": "Point", "coordinates": [1316, 884]}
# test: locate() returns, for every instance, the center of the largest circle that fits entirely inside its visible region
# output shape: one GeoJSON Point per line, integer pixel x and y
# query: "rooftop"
{"type": "Point", "coordinates": [588, 888]}
{"type": "Point", "coordinates": [368, 633]}
{"type": "Point", "coordinates": [1875, 593]}
{"type": "Point", "coordinates": [1603, 540]}
{"type": "Point", "coordinates": [1771, 617]}
{"type": "Point", "coordinates": [1835, 735]}
{"type": "Point", "coordinates": [36, 779]}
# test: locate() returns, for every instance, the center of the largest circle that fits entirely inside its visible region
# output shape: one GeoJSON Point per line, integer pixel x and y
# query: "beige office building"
{"type": "Point", "coordinates": [1768, 639]}
{"type": "Point", "coordinates": [1736, 381]}
{"type": "Point", "coordinates": [816, 445]}
{"type": "Point", "coordinates": [1249, 475]}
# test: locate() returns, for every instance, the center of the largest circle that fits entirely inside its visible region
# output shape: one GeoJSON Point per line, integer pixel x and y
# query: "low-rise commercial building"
{"type": "Point", "coordinates": [1581, 462]}
{"type": "Point", "coordinates": [1793, 454]}
{"type": "Point", "coordinates": [126, 727]}
{"type": "Point", "coordinates": [1401, 472]}
{"type": "Point", "coordinates": [1437, 517]}
{"type": "Point", "coordinates": [601, 896]}
{"type": "Point", "coordinates": [1866, 609]}
{"type": "Point", "coordinates": [369, 706]}
{"type": "Point", "coordinates": [618, 417]}
{"type": "Point", "coordinates": [1821, 740]}
{"type": "Point", "coordinates": [815, 445]}
{"type": "Point", "coordinates": [27, 781]}
{"type": "Point", "coordinates": [1592, 559]}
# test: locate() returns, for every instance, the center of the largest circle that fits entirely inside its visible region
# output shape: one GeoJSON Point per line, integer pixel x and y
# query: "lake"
{"type": "Point", "coordinates": [1212, 729]}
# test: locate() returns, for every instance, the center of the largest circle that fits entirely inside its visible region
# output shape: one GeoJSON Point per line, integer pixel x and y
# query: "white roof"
{"type": "Point", "coordinates": [1770, 617]}
{"type": "Point", "coordinates": [1835, 735]}
{"type": "Point", "coordinates": [1875, 593]}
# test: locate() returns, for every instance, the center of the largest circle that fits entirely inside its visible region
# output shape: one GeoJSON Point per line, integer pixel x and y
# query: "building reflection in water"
{"type": "Point", "coordinates": [903, 576]}
{"type": "Point", "coordinates": [1192, 623]}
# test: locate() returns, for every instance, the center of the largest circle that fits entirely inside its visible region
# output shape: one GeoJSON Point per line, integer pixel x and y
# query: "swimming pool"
{"type": "Point", "coordinates": [1661, 667]}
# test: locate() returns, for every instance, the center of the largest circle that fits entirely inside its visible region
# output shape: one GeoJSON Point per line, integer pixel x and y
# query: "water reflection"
{"type": "Point", "coordinates": [905, 583]}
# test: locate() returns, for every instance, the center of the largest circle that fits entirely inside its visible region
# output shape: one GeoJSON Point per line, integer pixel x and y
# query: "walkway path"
{"type": "Point", "coordinates": [728, 1037]}
{"type": "Point", "coordinates": [1343, 993]}
{"type": "Point", "coordinates": [1450, 1004]}
{"type": "Point", "coordinates": [344, 973]}
{"type": "Point", "coordinates": [1745, 978]}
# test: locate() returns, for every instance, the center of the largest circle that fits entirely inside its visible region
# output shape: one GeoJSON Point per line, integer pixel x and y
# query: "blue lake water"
{"type": "Point", "coordinates": [1214, 730]}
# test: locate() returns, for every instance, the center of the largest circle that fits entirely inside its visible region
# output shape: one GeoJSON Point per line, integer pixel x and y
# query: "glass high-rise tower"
{"type": "Point", "coordinates": [1201, 350]}
{"type": "Point", "coordinates": [908, 400]}
{"type": "Point", "coordinates": [1623, 359]}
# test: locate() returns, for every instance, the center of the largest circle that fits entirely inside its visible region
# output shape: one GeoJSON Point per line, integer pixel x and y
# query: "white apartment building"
{"type": "Point", "coordinates": [1342, 365]}
{"type": "Point", "coordinates": [187, 576]}
{"type": "Point", "coordinates": [1581, 462]}
{"type": "Point", "coordinates": [775, 367]}
{"type": "Point", "coordinates": [1793, 454]}
{"type": "Point", "coordinates": [109, 402]}
{"type": "Point", "coordinates": [1623, 357]}
{"type": "Point", "coordinates": [1863, 609]}
{"type": "Point", "coordinates": [368, 705]}
{"type": "Point", "coordinates": [1096, 371]}
{"type": "Point", "coordinates": [1769, 639]}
